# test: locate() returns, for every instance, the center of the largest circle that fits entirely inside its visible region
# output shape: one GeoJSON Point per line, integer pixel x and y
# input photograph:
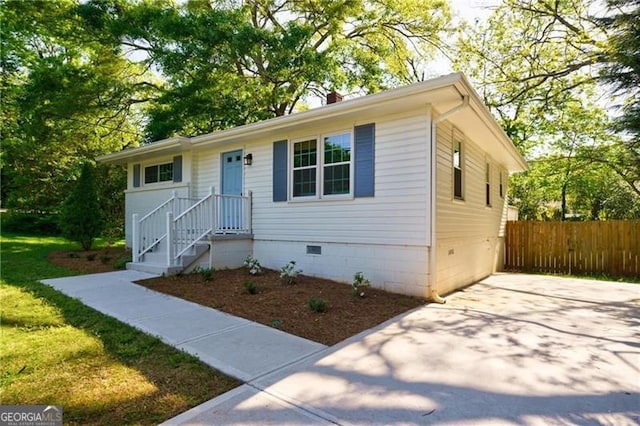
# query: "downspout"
{"type": "Point", "coordinates": [433, 292]}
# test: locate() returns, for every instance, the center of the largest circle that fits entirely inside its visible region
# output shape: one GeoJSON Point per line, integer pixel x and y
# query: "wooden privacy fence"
{"type": "Point", "coordinates": [603, 247]}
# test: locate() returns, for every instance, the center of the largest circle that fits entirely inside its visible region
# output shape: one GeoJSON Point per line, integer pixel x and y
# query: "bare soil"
{"type": "Point", "coordinates": [286, 307]}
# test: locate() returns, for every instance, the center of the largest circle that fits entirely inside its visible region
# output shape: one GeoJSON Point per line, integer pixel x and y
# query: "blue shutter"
{"type": "Point", "coordinates": [363, 179]}
{"type": "Point", "coordinates": [136, 175]}
{"type": "Point", "coordinates": [280, 170]}
{"type": "Point", "coordinates": [177, 168]}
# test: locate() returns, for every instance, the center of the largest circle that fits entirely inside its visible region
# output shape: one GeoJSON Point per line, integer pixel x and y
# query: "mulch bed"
{"type": "Point", "coordinates": [91, 261]}
{"type": "Point", "coordinates": [286, 307]}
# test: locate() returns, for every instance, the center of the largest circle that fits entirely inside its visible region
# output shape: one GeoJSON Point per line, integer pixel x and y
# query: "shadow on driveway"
{"type": "Point", "coordinates": [512, 349]}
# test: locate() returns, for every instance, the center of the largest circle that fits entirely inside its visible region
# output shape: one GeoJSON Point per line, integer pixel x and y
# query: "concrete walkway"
{"type": "Point", "coordinates": [238, 347]}
{"type": "Point", "coordinates": [511, 350]}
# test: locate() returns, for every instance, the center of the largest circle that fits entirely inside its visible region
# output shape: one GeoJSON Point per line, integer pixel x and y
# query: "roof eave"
{"type": "Point", "coordinates": [124, 156]}
{"type": "Point", "coordinates": [485, 115]}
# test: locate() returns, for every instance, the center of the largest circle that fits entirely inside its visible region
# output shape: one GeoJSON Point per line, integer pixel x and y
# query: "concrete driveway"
{"type": "Point", "coordinates": [513, 349]}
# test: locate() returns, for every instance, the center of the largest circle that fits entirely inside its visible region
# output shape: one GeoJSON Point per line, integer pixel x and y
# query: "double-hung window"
{"type": "Point", "coordinates": [337, 164]}
{"type": "Point", "coordinates": [322, 166]}
{"type": "Point", "coordinates": [305, 168]}
{"type": "Point", "coordinates": [158, 173]}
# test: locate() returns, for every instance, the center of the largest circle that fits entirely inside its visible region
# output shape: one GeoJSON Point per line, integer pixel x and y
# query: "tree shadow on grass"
{"type": "Point", "coordinates": [160, 381]}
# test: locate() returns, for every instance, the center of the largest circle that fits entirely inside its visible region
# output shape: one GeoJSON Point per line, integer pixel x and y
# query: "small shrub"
{"type": "Point", "coordinates": [73, 255]}
{"type": "Point", "coordinates": [289, 273]}
{"type": "Point", "coordinates": [105, 259]}
{"type": "Point", "coordinates": [121, 263]}
{"type": "Point", "coordinates": [276, 323]}
{"type": "Point", "coordinates": [91, 257]}
{"type": "Point", "coordinates": [250, 287]}
{"type": "Point", "coordinates": [318, 305]}
{"type": "Point", "coordinates": [205, 273]}
{"type": "Point", "coordinates": [252, 265]}
{"type": "Point", "coordinates": [359, 284]}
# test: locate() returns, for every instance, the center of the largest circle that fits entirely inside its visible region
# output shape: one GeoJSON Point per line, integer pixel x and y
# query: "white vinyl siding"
{"type": "Point", "coordinates": [468, 235]}
{"type": "Point", "coordinates": [396, 215]}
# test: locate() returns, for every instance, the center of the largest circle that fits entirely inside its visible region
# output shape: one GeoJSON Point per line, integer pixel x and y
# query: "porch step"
{"type": "Point", "coordinates": [197, 251]}
{"type": "Point", "coordinates": [154, 268]}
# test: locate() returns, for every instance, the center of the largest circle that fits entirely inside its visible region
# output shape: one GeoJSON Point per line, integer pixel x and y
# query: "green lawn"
{"type": "Point", "coordinates": [54, 350]}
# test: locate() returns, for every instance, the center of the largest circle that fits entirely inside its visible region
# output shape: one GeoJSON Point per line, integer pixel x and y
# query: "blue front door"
{"type": "Point", "coordinates": [231, 207]}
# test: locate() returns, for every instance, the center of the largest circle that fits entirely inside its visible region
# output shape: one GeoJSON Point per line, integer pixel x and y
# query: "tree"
{"type": "Point", "coordinates": [81, 218]}
{"type": "Point", "coordinates": [67, 97]}
{"type": "Point", "coordinates": [623, 62]}
{"type": "Point", "coordinates": [622, 71]}
{"type": "Point", "coordinates": [536, 64]}
{"type": "Point", "coordinates": [232, 62]}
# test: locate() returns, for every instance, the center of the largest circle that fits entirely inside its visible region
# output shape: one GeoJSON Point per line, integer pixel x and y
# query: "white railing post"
{"type": "Point", "coordinates": [135, 238]}
{"type": "Point", "coordinates": [175, 203]}
{"type": "Point", "coordinates": [170, 238]}
{"type": "Point", "coordinates": [248, 224]}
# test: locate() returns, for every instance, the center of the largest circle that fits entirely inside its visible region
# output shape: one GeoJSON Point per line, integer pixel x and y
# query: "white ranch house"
{"type": "Point", "coordinates": [407, 186]}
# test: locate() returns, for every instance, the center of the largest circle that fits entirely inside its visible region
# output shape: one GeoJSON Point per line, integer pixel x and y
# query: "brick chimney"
{"type": "Point", "coordinates": [333, 97]}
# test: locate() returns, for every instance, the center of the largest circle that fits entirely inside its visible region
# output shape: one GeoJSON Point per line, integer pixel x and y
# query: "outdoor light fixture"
{"type": "Point", "coordinates": [248, 159]}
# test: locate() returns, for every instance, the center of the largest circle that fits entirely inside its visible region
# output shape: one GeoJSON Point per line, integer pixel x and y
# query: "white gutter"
{"type": "Point", "coordinates": [433, 292]}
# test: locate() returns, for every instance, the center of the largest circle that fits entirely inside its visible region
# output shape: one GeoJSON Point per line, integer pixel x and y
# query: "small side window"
{"type": "Point", "coordinates": [487, 179]}
{"type": "Point", "coordinates": [457, 169]}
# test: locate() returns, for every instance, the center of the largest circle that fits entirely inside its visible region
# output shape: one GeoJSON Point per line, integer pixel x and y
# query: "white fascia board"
{"type": "Point", "coordinates": [483, 113]}
{"type": "Point", "coordinates": [177, 144]}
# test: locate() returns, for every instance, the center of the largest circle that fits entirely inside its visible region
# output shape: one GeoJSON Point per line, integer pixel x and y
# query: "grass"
{"type": "Point", "coordinates": [56, 351]}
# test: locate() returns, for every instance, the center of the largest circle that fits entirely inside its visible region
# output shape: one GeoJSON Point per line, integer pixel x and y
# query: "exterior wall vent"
{"type": "Point", "coordinates": [314, 249]}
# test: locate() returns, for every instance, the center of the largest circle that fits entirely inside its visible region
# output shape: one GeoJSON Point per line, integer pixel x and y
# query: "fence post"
{"type": "Point", "coordinates": [170, 238]}
{"type": "Point", "coordinates": [135, 238]}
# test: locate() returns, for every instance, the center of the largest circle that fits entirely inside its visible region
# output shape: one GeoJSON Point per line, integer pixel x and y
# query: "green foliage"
{"type": "Point", "coordinates": [534, 62]}
{"type": "Point", "coordinates": [68, 97]}
{"type": "Point", "coordinates": [289, 273]}
{"type": "Point", "coordinates": [623, 67]}
{"type": "Point", "coordinates": [81, 215]}
{"type": "Point", "coordinates": [318, 305]}
{"type": "Point", "coordinates": [232, 62]}
{"type": "Point", "coordinates": [359, 284]}
{"type": "Point", "coordinates": [121, 263]}
{"type": "Point", "coordinates": [250, 287]}
{"type": "Point", "coordinates": [46, 334]}
{"type": "Point", "coordinates": [30, 223]}
{"type": "Point", "coordinates": [205, 273]}
{"type": "Point", "coordinates": [276, 323]}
